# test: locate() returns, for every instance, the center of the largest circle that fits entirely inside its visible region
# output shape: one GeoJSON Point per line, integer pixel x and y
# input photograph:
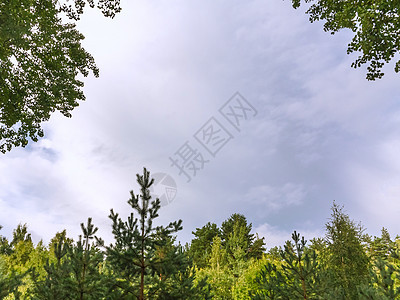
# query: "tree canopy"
{"type": "Point", "coordinates": [145, 261]}
{"type": "Point", "coordinates": [41, 57]}
{"type": "Point", "coordinates": [376, 27]}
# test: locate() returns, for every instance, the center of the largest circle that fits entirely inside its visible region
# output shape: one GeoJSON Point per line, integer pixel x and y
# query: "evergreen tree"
{"type": "Point", "coordinates": [86, 259]}
{"type": "Point", "coordinates": [270, 283]}
{"type": "Point", "coordinates": [297, 278]}
{"type": "Point", "coordinates": [135, 257]}
{"type": "Point", "coordinates": [5, 247]}
{"type": "Point", "coordinates": [347, 263]}
{"type": "Point", "coordinates": [381, 247]}
{"type": "Point", "coordinates": [10, 280]}
{"type": "Point", "coordinates": [200, 246]}
{"type": "Point", "coordinates": [255, 245]}
{"type": "Point", "coordinates": [58, 283]}
{"type": "Point", "coordinates": [177, 274]}
{"type": "Point", "coordinates": [383, 284]}
{"type": "Point", "coordinates": [237, 248]}
{"type": "Point", "coordinates": [9, 284]}
{"type": "Point", "coordinates": [300, 267]}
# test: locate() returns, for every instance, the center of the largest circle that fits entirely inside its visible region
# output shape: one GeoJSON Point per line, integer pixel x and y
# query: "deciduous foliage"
{"type": "Point", "coordinates": [40, 58]}
{"type": "Point", "coordinates": [376, 27]}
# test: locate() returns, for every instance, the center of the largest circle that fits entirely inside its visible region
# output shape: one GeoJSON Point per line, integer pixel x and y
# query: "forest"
{"type": "Point", "coordinates": [221, 262]}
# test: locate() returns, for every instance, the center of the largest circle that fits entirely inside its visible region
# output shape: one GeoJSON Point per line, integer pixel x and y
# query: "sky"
{"type": "Point", "coordinates": [263, 103]}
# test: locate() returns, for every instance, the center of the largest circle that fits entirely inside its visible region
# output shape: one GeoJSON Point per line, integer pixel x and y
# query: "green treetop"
{"type": "Point", "coordinates": [376, 27]}
{"type": "Point", "coordinates": [41, 57]}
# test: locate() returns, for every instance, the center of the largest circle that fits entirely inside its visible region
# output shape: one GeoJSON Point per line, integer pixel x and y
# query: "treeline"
{"type": "Point", "coordinates": [226, 262]}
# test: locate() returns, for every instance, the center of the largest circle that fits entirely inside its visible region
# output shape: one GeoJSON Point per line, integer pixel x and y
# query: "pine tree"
{"type": "Point", "coordinates": [270, 282]}
{"type": "Point", "coordinates": [57, 284]}
{"type": "Point", "coordinates": [9, 284]}
{"type": "Point", "coordinates": [383, 284]}
{"type": "Point", "coordinates": [298, 276]}
{"type": "Point", "coordinates": [177, 274]}
{"type": "Point", "coordinates": [237, 248]}
{"type": "Point", "coordinates": [135, 256]}
{"type": "Point", "coordinates": [86, 259]}
{"type": "Point", "coordinates": [300, 267]}
{"type": "Point", "coordinates": [5, 247]}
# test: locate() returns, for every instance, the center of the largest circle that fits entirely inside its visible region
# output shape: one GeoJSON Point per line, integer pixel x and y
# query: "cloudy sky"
{"type": "Point", "coordinates": [315, 130]}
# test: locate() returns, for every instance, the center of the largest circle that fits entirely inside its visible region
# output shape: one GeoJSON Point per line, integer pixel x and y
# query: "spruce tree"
{"type": "Point", "coordinates": [200, 246]}
{"type": "Point", "coordinates": [381, 247]}
{"type": "Point", "coordinates": [254, 245]}
{"type": "Point", "coordinates": [348, 264]}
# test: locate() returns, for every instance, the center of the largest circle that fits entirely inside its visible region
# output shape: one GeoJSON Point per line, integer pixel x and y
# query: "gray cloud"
{"type": "Point", "coordinates": [322, 131]}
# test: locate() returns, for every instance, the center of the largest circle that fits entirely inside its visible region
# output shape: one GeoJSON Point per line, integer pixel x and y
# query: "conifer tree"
{"type": "Point", "coordinates": [347, 264]}
{"type": "Point", "coordinates": [255, 245]}
{"type": "Point", "coordinates": [237, 248]}
{"type": "Point", "coordinates": [298, 276]}
{"type": "Point", "coordinates": [383, 284]}
{"type": "Point", "coordinates": [86, 260]}
{"type": "Point", "coordinates": [9, 281]}
{"type": "Point", "coordinates": [381, 247]}
{"type": "Point", "coordinates": [134, 257]}
{"type": "Point", "coordinates": [177, 274]}
{"type": "Point", "coordinates": [57, 284]}
{"type": "Point", "coordinates": [270, 284]}
{"type": "Point", "coordinates": [300, 267]}
{"type": "Point", "coordinates": [200, 246]}
{"type": "Point", "coordinates": [5, 247]}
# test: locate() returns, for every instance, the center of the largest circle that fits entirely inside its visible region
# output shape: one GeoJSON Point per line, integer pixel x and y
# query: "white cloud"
{"type": "Point", "coordinates": [274, 236]}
